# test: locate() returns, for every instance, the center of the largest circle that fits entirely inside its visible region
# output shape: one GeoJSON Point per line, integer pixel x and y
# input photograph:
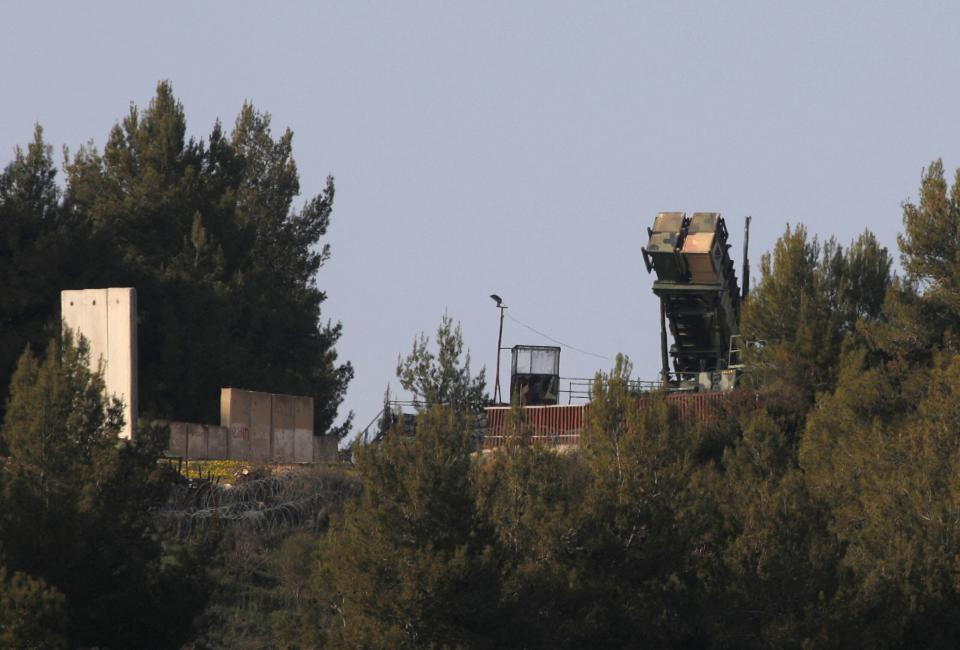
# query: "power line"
{"type": "Point", "coordinates": [560, 343]}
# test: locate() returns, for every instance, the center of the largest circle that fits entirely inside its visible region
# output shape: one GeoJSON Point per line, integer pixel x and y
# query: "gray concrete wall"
{"type": "Point", "coordinates": [325, 449]}
{"type": "Point", "coordinates": [303, 438]}
{"type": "Point", "coordinates": [283, 429]}
{"type": "Point", "coordinates": [216, 441]}
{"type": "Point", "coordinates": [197, 441]}
{"type": "Point", "coordinates": [260, 427]}
{"type": "Point", "coordinates": [238, 442]}
{"type": "Point", "coordinates": [303, 443]}
{"type": "Point", "coordinates": [235, 415]}
{"type": "Point", "coordinates": [107, 319]}
{"type": "Point", "coordinates": [178, 438]}
{"type": "Point", "coordinates": [272, 428]}
{"type": "Point", "coordinates": [248, 416]}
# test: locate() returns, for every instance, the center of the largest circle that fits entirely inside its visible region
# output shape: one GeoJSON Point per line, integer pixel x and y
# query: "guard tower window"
{"type": "Point", "coordinates": [535, 375]}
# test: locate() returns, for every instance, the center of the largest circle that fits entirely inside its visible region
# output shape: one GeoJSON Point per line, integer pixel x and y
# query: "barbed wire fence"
{"type": "Point", "coordinates": [265, 506]}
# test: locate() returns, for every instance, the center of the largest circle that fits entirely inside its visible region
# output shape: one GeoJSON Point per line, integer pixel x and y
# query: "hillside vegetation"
{"type": "Point", "coordinates": [819, 508]}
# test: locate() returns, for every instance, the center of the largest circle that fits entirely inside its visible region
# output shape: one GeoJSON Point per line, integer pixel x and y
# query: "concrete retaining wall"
{"type": "Point", "coordinates": [211, 442]}
{"type": "Point", "coordinates": [256, 427]}
{"type": "Point", "coordinates": [198, 441]}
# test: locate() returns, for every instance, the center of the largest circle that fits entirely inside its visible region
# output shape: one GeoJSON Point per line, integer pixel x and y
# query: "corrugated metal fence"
{"type": "Point", "coordinates": [561, 425]}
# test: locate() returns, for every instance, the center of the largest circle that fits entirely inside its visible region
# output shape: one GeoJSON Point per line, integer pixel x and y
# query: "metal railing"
{"type": "Point", "coordinates": [577, 391]}
{"type": "Point", "coordinates": [581, 388]}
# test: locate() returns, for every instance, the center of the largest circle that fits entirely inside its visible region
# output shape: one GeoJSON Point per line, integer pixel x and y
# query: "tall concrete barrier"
{"type": "Point", "coordinates": [107, 319]}
{"type": "Point", "coordinates": [272, 428]}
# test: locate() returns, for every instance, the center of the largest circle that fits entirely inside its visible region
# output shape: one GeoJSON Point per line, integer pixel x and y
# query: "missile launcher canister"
{"type": "Point", "coordinates": [697, 286]}
{"type": "Point", "coordinates": [662, 252]}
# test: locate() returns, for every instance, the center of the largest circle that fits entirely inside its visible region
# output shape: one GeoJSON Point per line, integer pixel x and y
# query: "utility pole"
{"type": "Point", "coordinates": [497, 397]}
{"type": "Point", "coordinates": [746, 262]}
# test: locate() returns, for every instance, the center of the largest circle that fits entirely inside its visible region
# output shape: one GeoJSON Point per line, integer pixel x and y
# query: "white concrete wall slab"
{"type": "Point", "coordinates": [107, 319]}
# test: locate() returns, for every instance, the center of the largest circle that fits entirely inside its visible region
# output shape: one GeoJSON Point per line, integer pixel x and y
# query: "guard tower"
{"type": "Point", "coordinates": [698, 291]}
{"type": "Point", "coordinates": [535, 375]}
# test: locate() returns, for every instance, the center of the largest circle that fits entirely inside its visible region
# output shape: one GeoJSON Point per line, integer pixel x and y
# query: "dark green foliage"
{"type": "Point", "coordinates": [802, 282]}
{"type": "Point", "coordinates": [929, 252]}
{"type": "Point", "coordinates": [529, 496]}
{"type": "Point", "coordinates": [225, 268]}
{"type": "Point", "coordinates": [259, 593]}
{"type": "Point", "coordinates": [809, 300]}
{"type": "Point", "coordinates": [524, 548]}
{"type": "Point", "coordinates": [224, 264]}
{"type": "Point", "coordinates": [411, 565]}
{"type": "Point", "coordinates": [77, 508]}
{"type": "Point", "coordinates": [776, 563]}
{"type": "Point", "coordinates": [636, 533]}
{"type": "Point", "coordinates": [31, 613]}
{"type": "Point", "coordinates": [883, 454]}
{"type": "Point", "coordinates": [818, 509]}
{"type": "Point", "coordinates": [40, 250]}
{"type": "Point", "coordinates": [261, 573]}
{"type": "Point", "coordinates": [931, 238]}
{"type": "Point", "coordinates": [442, 377]}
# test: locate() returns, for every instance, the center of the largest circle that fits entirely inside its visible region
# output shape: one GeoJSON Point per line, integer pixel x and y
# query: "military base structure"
{"type": "Point", "coordinates": [700, 299]}
{"type": "Point", "coordinates": [254, 426]}
{"type": "Point", "coordinates": [560, 425]}
{"type": "Point", "coordinates": [699, 296]}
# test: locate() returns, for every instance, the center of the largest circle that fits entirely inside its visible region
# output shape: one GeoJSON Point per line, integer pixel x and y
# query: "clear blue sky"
{"type": "Point", "coordinates": [522, 148]}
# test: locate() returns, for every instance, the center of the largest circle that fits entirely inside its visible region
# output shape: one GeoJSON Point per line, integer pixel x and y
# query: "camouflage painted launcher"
{"type": "Point", "coordinates": [697, 287]}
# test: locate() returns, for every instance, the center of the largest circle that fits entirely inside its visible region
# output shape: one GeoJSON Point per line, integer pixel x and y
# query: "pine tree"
{"type": "Point", "coordinates": [39, 246]}
{"type": "Point", "coordinates": [410, 566]}
{"type": "Point", "coordinates": [531, 497]}
{"type": "Point", "coordinates": [224, 264]}
{"type": "Point", "coordinates": [77, 508]}
{"type": "Point", "coordinates": [442, 377]}
{"type": "Point", "coordinates": [634, 571]}
{"type": "Point", "coordinates": [31, 613]}
{"type": "Point", "coordinates": [928, 251]}
{"type": "Point", "coordinates": [809, 298]}
{"type": "Point", "coordinates": [931, 238]}
{"type": "Point", "coordinates": [774, 575]}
